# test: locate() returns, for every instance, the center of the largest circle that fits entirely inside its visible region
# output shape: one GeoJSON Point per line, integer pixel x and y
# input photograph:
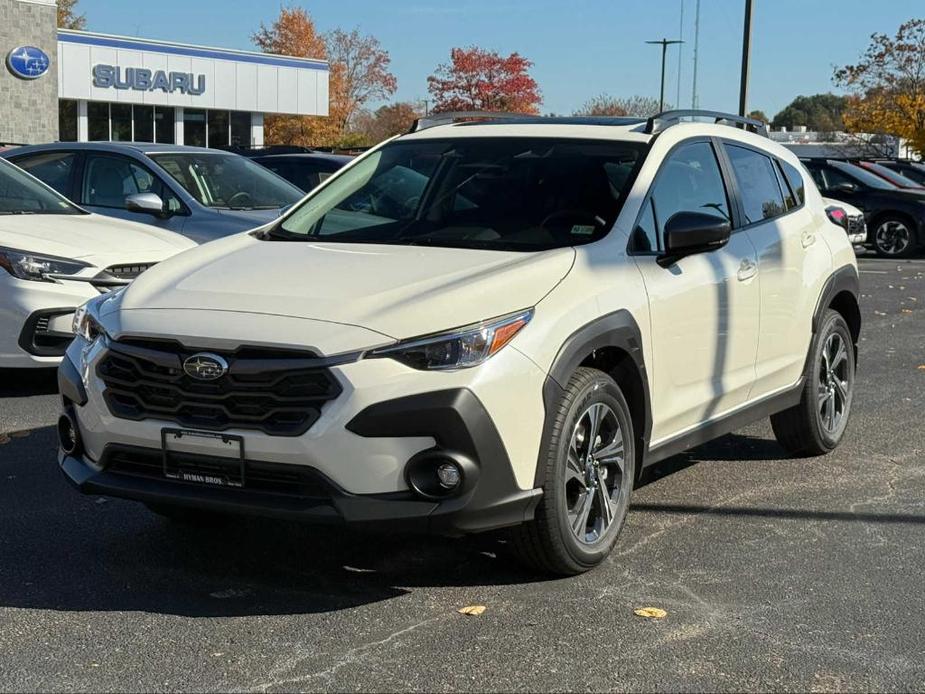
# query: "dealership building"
{"type": "Point", "coordinates": [67, 85]}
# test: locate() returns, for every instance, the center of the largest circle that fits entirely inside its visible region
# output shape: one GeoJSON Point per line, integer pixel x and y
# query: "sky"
{"type": "Point", "coordinates": [580, 48]}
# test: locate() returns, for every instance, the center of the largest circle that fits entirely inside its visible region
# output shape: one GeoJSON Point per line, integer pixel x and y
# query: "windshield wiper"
{"type": "Point", "coordinates": [18, 212]}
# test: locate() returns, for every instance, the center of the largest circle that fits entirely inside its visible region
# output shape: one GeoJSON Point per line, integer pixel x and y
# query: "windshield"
{"type": "Point", "coordinates": [865, 177]}
{"type": "Point", "coordinates": [521, 194]}
{"type": "Point", "coordinates": [20, 193]}
{"type": "Point", "coordinates": [892, 176]}
{"type": "Point", "coordinates": [228, 181]}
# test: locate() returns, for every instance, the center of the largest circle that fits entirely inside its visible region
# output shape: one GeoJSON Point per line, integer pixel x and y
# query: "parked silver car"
{"type": "Point", "coordinates": [201, 193]}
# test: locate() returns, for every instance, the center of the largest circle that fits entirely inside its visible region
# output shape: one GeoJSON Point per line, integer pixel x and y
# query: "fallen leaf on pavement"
{"type": "Point", "coordinates": [472, 610]}
{"type": "Point", "coordinates": [650, 612]}
{"type": "Point", "coordinates": [921, 367]}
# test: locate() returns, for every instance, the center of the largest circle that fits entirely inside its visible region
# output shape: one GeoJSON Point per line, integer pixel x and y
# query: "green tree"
{"type": "Point", "coordinates": [68, 17]}
{"type": "Point", "coordinates": [819, 113]}
{"type": "Point", "coordinates": [606, 105]}
{"type": "Point", "coordinates": [758, 114]}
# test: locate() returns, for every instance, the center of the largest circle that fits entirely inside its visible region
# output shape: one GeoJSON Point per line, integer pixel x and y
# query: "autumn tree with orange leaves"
{"type": "Point", "coordinates": [359, 72]}
{"type": "Point", "coordinates": [480, 80]}
{"type": "Point", "coordinates": [888, 86]}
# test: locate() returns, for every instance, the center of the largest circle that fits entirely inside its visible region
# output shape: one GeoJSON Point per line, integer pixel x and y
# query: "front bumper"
{"type": "Point", "coordinates": [453, 419]}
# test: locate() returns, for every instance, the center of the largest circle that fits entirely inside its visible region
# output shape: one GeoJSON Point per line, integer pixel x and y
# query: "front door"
{"type": "Point", "coordinates": [703, 308]}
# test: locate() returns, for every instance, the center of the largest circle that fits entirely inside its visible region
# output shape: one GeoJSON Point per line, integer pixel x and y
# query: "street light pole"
{"type": "Point", "coordinates": [746, 56]}
{"type": "Point", "coordinates": [664, 43]}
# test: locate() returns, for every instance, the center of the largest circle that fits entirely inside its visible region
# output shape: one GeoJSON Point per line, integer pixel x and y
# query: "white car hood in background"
{"type": "Point", "coordinates": [398, 291]}
{"type": "Point", "coordinates": [93, 238]}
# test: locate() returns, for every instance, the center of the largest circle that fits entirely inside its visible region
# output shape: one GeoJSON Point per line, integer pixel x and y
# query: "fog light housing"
{"type": "Point", "coordinates": [68, 434]}
{"type": "Point", "coordinates": [449, 475]}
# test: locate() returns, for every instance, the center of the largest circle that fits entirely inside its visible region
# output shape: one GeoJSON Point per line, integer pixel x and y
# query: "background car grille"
{"type": "Point", "coordinates": [856, 224]}
{"type": "Point", "coordinates": [128, 272]}
{"type": "Point", "coordinates": [279, 392]}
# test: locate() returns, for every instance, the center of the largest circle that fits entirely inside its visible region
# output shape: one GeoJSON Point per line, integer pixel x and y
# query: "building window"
{"type": "Point", "coordinates": [194, 127]}
{"type": "Point", "coordinates": [164, 125]}
{"type": "Point", "coordinates": [97, 121]}
{"type": "Point", "coordinates": [218, 128]}
{"type": "Point", "coordinates": [143, 123]}
{"type": "Point", "coordinates": [67, 120]}
{"type": "Point", "coordinates": [240, 129]}
{"type": "Point", "coordinates": [121, 117]}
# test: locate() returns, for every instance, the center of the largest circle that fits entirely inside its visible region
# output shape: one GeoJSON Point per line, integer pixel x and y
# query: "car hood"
{"type": "Point", "coordinates": [92, 238]}
{"type": "Point", "coordinates": [253, 217]}
{"type": "Point", "coordinates": [397, 291]}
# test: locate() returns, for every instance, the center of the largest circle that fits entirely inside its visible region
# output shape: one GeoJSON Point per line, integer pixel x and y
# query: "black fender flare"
{"type": "Point", "coordinates": [843, 279]}
{"type": "Point", "coordinates": [618, 329]}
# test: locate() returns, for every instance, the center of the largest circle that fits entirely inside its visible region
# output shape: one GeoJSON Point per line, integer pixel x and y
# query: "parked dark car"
{"type": "Point", "coordinates": [201, 193]}
{"type": "Point", "coordinates": [895, 216]}
{"type": "Point", "coordinates": [303, 170]}
{"type": "Point", "coordinates": [897, 178]}
{"type": "Point", "coordinates": [914, 170]}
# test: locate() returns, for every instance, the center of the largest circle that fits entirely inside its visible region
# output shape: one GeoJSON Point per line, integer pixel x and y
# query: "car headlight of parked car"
{"type": "Point", "coordinates": [460, 348]}
{"type": "Point", "coordinates": [34, 266]}
{"type": "Point", "coordinates": [87, 323]}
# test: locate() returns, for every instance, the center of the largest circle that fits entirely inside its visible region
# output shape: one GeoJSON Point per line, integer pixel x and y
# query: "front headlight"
{"type": "Point", "coordinates": [457, 349]}
{"type": "Point", "coordinates": [34, 266]}
{"type": "Point", "coordinates": [87, 323]}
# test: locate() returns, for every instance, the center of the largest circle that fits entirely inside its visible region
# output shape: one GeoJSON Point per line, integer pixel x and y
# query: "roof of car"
{"type": "Point", "coordinates": [140, 147]}
{"type": "Point", "coordinates": [322, 156]}
{"type": "Point", "coordinates": [537, 128]}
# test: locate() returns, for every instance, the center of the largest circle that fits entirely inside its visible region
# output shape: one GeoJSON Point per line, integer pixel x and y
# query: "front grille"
{"type": "Point", "coordinates": [128, 272]}
{"type": "Point", "coordinates": [279, 392]}
{"type": "Point", "coordinates": [274, 478]}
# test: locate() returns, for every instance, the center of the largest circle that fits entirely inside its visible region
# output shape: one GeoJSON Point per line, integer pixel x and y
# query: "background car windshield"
{"type": "Point", "coordinates": [22, 194]}
{"type": "Point", "coordinates": [228, 181]}
{"type": "Point", "coordinates": [513, 194]}
{"type": "Point", "coordinates": [865, 177]}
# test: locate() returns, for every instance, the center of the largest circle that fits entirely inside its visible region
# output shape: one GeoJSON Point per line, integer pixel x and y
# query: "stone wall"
{"type": "Point", "coordinates": [28, 108]}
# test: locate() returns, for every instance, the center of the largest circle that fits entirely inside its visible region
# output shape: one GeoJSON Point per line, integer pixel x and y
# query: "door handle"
{"type": "Point", "coordinates": [807, 238]}
{"type": "Point", "coordinates": [747, 270]}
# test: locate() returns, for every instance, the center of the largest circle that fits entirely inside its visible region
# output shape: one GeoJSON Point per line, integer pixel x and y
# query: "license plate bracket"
{"type": "Point", "coordinates": [221, 466]}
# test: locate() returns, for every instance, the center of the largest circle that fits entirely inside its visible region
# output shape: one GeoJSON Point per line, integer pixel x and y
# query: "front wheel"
{"type": "Point", "coordinates": [590, 468]}
{"type": "Point", "coordinates": [894, 237]}
{"type": "Point", "coordinates": [816, 425]}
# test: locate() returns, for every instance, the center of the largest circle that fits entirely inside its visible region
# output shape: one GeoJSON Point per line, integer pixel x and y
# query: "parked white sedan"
{"type": "Point", "coordinates": [53, 257]}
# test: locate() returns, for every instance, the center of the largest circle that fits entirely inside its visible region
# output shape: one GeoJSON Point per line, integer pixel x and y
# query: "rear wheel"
{"type": "Point", "coordinates": [590, 469]}
{"type": "Point", "coordinates": [894, 237]}
{"type": "Point", "coordinates": [816, 425]}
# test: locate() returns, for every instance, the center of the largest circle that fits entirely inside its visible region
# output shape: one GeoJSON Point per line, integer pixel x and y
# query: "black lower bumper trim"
{"type": "Point", "coordinates": [70, 384]}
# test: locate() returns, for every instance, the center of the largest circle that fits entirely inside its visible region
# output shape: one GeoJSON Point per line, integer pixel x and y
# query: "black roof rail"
{"type": "Point", "coordinates": [666, 119]}
{"type": "Point", "coordinates": [447, 117]}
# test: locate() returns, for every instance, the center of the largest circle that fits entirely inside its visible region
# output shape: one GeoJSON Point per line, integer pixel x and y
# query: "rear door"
{"type": "Point", "coordinates": [704, 307]}
{"type": "Point", "coordinates": [792, 262]}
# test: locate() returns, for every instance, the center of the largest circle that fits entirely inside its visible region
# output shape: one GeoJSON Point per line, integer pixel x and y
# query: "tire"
{"type": "Point", "coordinates": [571, 493]}
{"type": "Point", "coordinates": [894, 236]}
{"type": "Point", "coordinates": [186, 515]}
{"type": "Point", "coordinates": [817, 424]}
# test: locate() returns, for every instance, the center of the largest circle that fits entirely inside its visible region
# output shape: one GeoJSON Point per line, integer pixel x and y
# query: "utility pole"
{"type": "Point", "coordinates": [694, 102]}
{"type": "Point", "coordinates": [664, 43]}
{"type": "Point", "coordinates": [680, 51]}
{"type": "Point", "coordinates": [746, 55]}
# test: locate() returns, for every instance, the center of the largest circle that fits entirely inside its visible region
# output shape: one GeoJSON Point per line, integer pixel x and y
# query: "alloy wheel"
{"type": "Point", "coordinates": [834, 388]}
{"type": "Point", "coordinates": [595, 479]}
{"type": "Point", "coordinates": [893, 237]}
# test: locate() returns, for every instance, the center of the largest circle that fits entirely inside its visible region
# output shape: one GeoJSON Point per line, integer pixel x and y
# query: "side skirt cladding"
{"type": "Point", "coordinates": [614, 331]}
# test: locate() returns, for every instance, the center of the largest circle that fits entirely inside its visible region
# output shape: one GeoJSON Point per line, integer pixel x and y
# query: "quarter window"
{"type": "Point", "coordinates": [761, 195]}
{"type": "Point", "coordinates": [795, 179]}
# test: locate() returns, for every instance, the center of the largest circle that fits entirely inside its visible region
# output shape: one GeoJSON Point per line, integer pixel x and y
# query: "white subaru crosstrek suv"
{"type": "Point", "coordinates": [54, 256]}
{"type": "Point", "coordinates": [485, 323]}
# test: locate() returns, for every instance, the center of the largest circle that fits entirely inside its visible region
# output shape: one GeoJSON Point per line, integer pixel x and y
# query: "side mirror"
{"type": "Point", "coordinates": [845, 187]}
{"type": "Point", "coordinates": [149, 203]}
{"type": "Point", "coordinates": [687, 233]}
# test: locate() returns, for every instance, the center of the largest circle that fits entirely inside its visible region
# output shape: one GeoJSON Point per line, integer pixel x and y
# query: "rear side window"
{"type": "Point", "coordinates": [52, 168]}
{"type": "Point", "coordinates": [795, 179]}
{"type": "Point", "coordinates": [761, 193]}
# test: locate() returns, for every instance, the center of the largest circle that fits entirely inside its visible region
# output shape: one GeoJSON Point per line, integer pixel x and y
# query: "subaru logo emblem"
{"type": "Point", "coordinates": [205, 366]}
{"type": "Point", "coordinates": [28, 62]}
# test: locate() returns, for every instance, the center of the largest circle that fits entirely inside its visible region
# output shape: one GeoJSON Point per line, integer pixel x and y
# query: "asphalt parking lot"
{"type": "Point", "coordinates": [775, 573]}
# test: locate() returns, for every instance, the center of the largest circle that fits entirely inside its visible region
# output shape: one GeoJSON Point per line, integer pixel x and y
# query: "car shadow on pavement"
{"type": "Point", "coordinates": [61, 550]}
{"type": "Point", "coordinates": [18, 383]}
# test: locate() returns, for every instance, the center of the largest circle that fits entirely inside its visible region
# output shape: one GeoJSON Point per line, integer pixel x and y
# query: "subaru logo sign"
{"type": "Point", "coordinates": [28, 62]}
{"type": "Point", "coordinates": [205, 366]}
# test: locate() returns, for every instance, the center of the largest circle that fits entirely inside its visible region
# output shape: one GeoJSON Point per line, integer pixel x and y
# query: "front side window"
{"type": "Point", "coordinates": [840, 172]}
{"type": "Point", "coordinates": [690, 181]}
{"type": "Point", "coordinates": [51, 168]}
{"type": "Point", "coordinates": [761, 194]}
{"type": "Point", "coordinates": [227, 180]}
{"type": "Point", "coordinates": [519, 194]}
{"type": "Point", "coordinates": [22, 194]}
{"type": "Point", "coordinates": [109, 180]}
